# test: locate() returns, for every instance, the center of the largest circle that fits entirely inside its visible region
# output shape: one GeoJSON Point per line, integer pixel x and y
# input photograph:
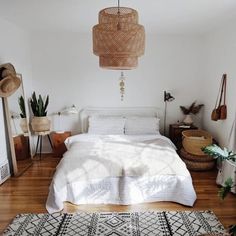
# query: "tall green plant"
{"type": "Point", "coordinates": [21, 102]}
{"type": "Point", "coordinates": [39, 106]}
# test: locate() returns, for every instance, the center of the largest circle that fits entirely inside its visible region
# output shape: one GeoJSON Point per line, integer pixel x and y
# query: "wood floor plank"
{"type": "Point", "coordinates": [28, 193]}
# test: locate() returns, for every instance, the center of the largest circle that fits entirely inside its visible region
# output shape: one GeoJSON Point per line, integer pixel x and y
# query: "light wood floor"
{"type": "Point", "coordinates": [28, 193]}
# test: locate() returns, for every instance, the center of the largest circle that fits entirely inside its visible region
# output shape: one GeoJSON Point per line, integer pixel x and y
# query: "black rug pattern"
{"type": "Point", "coordinates": [163, 223]}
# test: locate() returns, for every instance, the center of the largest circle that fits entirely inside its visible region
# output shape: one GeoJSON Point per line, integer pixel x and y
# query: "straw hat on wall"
{"type": "Point", "coordinates": [9, 82]}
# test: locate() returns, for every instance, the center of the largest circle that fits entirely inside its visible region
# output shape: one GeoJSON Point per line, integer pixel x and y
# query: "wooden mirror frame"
{"type": "Point", "coordinates": [13, 161]}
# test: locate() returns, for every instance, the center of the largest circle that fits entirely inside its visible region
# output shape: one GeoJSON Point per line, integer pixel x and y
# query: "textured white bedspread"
{"type": "Point", "coordinates": [120, 169]}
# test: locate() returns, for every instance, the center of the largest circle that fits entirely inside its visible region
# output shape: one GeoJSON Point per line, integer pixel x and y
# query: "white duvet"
{"type": "Point", "coordinates": [120, 169]}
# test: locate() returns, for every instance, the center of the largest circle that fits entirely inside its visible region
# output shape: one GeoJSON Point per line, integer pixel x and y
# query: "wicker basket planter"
{"type": "Point", "coordinates": [40, 124]}
{"type": "Point", "coordinates": [194, 140]}
{"type": "Point", "coordinates": [23, 125]}
{"type": "Point", "coordinates": [196, 162]}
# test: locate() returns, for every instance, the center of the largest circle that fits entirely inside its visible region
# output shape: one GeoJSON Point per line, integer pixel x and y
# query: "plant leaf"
{"type": "Point", "coordinates": [196, 109]}
{"type": "Point", "coordinates": [21, 103]}
{"type": "Point", "coordinates": [38, 106]}
{"type": "Point", "coordinates": [216, 151]}
{"type": "Point", "coordinates": [184, 110]}
{"type": "Point", "coordinates": [228, 184]}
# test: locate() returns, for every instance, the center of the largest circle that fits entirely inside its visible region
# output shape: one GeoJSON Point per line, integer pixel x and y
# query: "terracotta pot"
{"type": "Point", "coordinates": [188, 120]}
{"type": "Point", "coordinates": [23, 125]}
{"type": "Point", "coordinates": [40, 124]}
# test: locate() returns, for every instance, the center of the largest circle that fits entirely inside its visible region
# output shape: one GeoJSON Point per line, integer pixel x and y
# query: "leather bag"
{"type": "Point", "coordinates": [223, 108]}
{"type": "Point", "coordinates": [220, 111]}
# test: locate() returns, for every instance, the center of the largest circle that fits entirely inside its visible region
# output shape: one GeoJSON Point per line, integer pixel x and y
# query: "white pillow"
{"type": "Point", "coordinates": [141, 125]}
{"type": "Point", "coordinates": [106, 125]}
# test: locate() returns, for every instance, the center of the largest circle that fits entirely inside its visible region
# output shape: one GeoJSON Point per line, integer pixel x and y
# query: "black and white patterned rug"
{"type": "Point", "coordinates": [117, 224]}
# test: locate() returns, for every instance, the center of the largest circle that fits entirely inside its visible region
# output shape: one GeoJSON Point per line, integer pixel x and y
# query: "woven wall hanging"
{"type": "Point", "coordinates": [118, 39]}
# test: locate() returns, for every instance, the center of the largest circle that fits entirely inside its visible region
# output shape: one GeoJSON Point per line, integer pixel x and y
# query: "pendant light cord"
{"type": "Point", "coordinates": [118, 7]}
{"type": "Point", "coordinates": [118, 13]}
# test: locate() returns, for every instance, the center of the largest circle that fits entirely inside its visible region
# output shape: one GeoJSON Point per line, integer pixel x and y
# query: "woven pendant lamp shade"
{"type": "Point", "coordinates": [118, 39]}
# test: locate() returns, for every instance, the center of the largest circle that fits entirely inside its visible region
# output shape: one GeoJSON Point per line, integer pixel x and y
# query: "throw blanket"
{"type": "Point", "coordinates": [101, 159]}
{"type": "Point", "coordinates": [118, 171]}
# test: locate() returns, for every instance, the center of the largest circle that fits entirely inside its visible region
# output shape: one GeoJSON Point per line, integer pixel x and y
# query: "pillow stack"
{"type": "Point", "coordinates": [134, 125]}
{"type": "Point", "coordinates": [106, 125]}
{"type": "Point", "coordinates": [141, 125]}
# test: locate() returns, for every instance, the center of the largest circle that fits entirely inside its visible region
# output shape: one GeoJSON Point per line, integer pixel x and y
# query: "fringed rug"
{"type": "Point", "coordinates": [114, 224]}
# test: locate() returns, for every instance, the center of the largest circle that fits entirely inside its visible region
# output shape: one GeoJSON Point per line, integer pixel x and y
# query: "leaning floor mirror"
{"type": "Point", "coordinates": [18, 130]}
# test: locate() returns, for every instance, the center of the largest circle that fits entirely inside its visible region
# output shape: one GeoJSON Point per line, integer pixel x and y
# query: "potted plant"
{"type": "Point", "coordinates": [228, 185]}
{"type": "Point", "coordinates": [40, 122]}
{"type": "Point", "coordinates": [193, 109]}
{"type": "Point", "coordinates": [23, 122]}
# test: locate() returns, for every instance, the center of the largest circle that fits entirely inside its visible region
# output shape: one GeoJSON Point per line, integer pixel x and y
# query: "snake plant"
{"type": "Point", "coordinates": [21, 102]}
{"type": "Point", "coordinates": [39, 106]}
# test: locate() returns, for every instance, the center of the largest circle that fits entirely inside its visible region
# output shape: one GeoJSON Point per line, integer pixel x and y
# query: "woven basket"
{"type": "Point", "coordinates": [197, 163]}
{"type": "Point", "coordinates": [194, 140]}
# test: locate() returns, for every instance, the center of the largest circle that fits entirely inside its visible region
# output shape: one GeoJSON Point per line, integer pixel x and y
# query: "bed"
{"type": "Point", "coordinates": [121, 159]}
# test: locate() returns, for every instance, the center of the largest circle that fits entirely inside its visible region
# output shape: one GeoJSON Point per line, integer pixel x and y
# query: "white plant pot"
{"type": "Point", "coordinates": [40, 124]}
{"type": "Point", "coordinates": [188, 120]}
{"type": "Point", "coordinates": [23, 125]}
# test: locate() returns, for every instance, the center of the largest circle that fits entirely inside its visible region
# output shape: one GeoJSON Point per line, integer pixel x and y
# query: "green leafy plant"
{"type": "Point", "coordinates": [223, 154]}
{"type": "Point", "coordinates": [228, 185]}
{"type": "Point", "coordinates": [39, 106]}
{"type": "Point", "coordinates": [217, 152]}
{"type": "Point", "coordinates": [21, 102]}
{"type": "Point", "coordinates": [192, 109]}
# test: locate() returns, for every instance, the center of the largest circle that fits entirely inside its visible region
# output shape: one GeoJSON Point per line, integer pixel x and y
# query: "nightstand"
{"type": "Point", "coordinates": [21, 145]}
{"type": "Point", "coordinates": [58, 139]}
{"type": "Point", "coordinates": [175, 133]}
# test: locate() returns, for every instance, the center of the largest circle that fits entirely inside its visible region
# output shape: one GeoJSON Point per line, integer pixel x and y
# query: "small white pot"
{"type": "Point", "coordinates": [188, 120]}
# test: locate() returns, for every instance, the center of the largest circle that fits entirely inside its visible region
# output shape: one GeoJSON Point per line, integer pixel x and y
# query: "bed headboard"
{"type": "Point", "coordinates": [116, 111]}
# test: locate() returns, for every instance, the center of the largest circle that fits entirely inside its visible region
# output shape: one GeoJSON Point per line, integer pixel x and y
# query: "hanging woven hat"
{"type": "Point", "coordinates": [7, 68]}
{"type": "Point", "coordinates": [9, 82]}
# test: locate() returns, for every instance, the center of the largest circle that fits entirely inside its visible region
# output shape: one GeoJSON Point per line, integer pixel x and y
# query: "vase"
{"type": "Point", "coordinates": [40, 124]}
{"type": "Point", "coordinates": [188, 120]}
{"type": "Point", "coordinates": [23, 125]}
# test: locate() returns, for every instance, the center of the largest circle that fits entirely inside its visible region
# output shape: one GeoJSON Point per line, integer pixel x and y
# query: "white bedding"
{"type": "Point", "coordinates": [120, 169]}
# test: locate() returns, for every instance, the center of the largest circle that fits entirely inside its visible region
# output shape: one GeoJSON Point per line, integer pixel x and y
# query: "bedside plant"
{"type": "Point", "coordinates": [40, 122]}
{"type": "Point", "coordinates": [217, 152]}
{"type": "Point", "coordinates": [192, 109]}
{"type": "Point", "coordinates": [223, 154]}
{"type": "Point", "coordinates": [23, 122]}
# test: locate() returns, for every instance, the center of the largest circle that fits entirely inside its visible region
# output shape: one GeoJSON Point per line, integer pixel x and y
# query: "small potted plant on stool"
{"type": "Point", "coordinates": [40, 121]}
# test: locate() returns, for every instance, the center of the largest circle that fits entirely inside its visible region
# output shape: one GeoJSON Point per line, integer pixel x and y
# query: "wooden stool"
{"type": "Point", "coordinates": [40, 141]}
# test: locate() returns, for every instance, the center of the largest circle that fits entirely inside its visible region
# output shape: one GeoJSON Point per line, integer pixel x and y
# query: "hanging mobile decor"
{"type": "Point", "coordinates": [122, 85]}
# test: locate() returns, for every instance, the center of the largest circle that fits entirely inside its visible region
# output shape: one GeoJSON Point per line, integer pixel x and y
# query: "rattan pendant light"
{"type": "Point", "coordinates": [118, 39]}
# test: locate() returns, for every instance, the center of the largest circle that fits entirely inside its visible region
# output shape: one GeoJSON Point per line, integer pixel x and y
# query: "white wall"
{"type": "Point", "coordinates": [14, 48]}
{"type": "Point", "coordinates": [220, 57]}
{"type": "Point", "coordinates": [65, 68]}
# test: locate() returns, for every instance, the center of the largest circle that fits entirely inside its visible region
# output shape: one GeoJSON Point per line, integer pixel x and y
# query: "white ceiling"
{"type": "Point", "coordinates": [161, 16]}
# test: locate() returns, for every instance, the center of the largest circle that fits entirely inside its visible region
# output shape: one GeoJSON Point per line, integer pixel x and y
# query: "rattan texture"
{"type": "Point", "coordinates": [197, 163]}
{"type": "Point", "coordinates": [194, 146]}
{"type": "Point", "coordinates": [118, 40]}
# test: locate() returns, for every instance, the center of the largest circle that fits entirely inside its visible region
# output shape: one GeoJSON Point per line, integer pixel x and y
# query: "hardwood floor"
{"type": "Point", "coordinates": [28, 193]}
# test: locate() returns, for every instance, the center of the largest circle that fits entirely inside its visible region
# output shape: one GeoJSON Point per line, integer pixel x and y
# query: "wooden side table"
{"type": "Point", "coordinates": [21, 145]}
{"type": "Point", "coordinates": [40, 141]}
{"type": "Point", "coordinates": [58, 139]}
{"type": "Point", "coordinates": [175, 133]}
